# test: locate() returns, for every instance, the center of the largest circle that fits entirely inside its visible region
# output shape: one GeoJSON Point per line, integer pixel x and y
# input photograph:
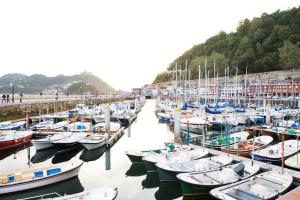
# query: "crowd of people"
{"type": "Point", "coordinates": [6, 98]}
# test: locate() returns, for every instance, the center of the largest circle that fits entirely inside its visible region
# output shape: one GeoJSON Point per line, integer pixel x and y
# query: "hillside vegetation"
{"type": "Point", "coordinates": [84, 82]}
{"type": "Point", "coordinates": [267, 43]}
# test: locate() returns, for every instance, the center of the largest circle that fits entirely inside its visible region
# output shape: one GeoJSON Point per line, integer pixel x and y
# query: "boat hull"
{"type": "Point", "coordinates": [166, 176]}
{"type": "Point", "coordinates": [189, 189]}
{"type": "Point", "coordinates": [274, 161]}
{"type": "Point", "coordinates": [40, 145]}
{"type": "Point", "coordinates": [150, 166]}
{"type": "Point", "coordinates": [135, 158]}
{"type": "Point", "coordinates": [14, 143]}
{"type": "Point", "coordinates": [39, 182]}
{"type": "Point", "coordinates": [90, 146]}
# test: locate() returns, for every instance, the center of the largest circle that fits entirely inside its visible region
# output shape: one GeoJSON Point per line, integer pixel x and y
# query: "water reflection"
{"type": "Point", "coordinates": [64, 155]}
{"type": "Point", "coordinates": [92, 155]}
{"type": "Point", "coordinates": [167, 191]}
{"type": "Point", "coordinates": [136, 169]}
{"type": "Point", "coordinates": [107, 159]}
{"type": "Point", "coordinates": [70, 186]}
{"type": "Point", "coordinates": [151, 180]}
{"type": "Point", "coordinates": [6, 153]}
{"type": "Point", "coordinates": [43, 155]}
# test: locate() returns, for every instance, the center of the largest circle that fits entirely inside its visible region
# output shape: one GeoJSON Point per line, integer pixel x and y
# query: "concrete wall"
{"type": "Point", "coordinates": [18, 111]}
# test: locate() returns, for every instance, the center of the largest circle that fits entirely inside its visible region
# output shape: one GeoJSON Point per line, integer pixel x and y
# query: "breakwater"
{"type": "Point", "coordinates": [20, 110]}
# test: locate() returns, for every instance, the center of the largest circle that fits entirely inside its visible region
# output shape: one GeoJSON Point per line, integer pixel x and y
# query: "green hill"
{"type": "Point", "coordinates": [267, 43]}
{"type": "Point", "coordinates": [84, 82]}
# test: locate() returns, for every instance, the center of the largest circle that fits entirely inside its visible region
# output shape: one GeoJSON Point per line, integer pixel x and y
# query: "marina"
{"type": "Point", "coordinates": [130, 100]}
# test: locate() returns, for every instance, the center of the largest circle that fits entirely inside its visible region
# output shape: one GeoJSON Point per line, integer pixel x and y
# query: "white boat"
{"type": "Point", "coordinates": [178, 156]}
{"type": "Point", "coordinates": [50, 126]}
{"type": "Point", "coordinates": [113, 126]}
{"type": "Point", "coordinates": [268, 185]}
{"type": "Point", "coordinates": [37, 177]}
{"type": "Point", "coordinates": [293, 162]}
{"type": "Point", "coordinates": [47, 142]}
{"type": "Point", "coordinates": [200, 183]}
{"type": "Point", "coordinates": [194, 124]}
{"type": "Point", "coordinates": [104, 193]}
{"type": "Point", "coordinates": [168, 171]}
{"type": "Point", "coordinates": [8, 125]}
{"type": "Point", "coordinates": [273, 153]}
{"type": "Point", "coordinates": [70, 140]}
{"type": "Point", "coordinates": [94, 141]}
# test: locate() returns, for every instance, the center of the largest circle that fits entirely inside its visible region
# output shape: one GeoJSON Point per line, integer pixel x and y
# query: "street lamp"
{"type": "Point", "coordinates": [12, 85]}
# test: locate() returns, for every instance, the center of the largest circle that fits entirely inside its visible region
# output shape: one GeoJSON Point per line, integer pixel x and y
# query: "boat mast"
{"type": "Point", "coordinates": [214, 81]}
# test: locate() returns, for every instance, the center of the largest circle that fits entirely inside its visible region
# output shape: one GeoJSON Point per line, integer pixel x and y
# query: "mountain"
{"type": "Point", "coordinates": [84, 82]}
{"type": "Point", "coordinates": [267, 43]}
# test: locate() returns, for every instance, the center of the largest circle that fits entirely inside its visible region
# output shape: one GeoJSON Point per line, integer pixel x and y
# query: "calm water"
{"type": "Point", "coordinates": [104, 167]}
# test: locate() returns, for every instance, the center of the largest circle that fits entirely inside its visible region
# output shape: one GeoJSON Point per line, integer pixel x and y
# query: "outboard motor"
{"type": "Point", "coordinates": [239, 169]}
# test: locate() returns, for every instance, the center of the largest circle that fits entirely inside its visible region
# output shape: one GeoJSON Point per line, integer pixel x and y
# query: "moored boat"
{"type": "Point", "coordinates": [221, 141]}
{"type": "Point", "coordinates": [201, 183]}
{"type": "Point", "coordinates": [70, 140]}
{"type": "Point", "coordinates": [180, 155]}
{"type": "Point", "coordinates": [12, 139]}
{"type": "Point", "coordinates": [48, 142]}
{"type": "Point", "coordinates": [244, 148]}
{"type": "Point", "coordinates": [135, 156]}
{"type": "Point", "coordinates": [293, 162]}
{"type": "Point", "coordinates": [273, 153]}
{"type": "Point", "coordinates": [268, 185]}
{"type": "Point", "coordinates": [37, 177]}
{"type": "Point", "coordinates": [8, 125]}
{"type": "Point", "coordinates": [168, 171]}
{"type": "Point", "coordinates": [94, 141]}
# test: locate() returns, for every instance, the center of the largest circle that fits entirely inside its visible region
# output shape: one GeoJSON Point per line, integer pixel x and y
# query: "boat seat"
{"type": "Point", "coordinates": [27, 177]}
{"type": "Point", "coordinates": [3, 179]}
{"type": "Point", "coordinates": [18, 176]}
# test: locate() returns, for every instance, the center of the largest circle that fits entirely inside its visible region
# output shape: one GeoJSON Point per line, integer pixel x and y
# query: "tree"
{"type": "Point", "coordinates": [290, 55]}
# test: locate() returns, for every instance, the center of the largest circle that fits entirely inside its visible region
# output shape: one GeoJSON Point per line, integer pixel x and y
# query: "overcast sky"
{"type": "Point", "coordinates": [124, 42]}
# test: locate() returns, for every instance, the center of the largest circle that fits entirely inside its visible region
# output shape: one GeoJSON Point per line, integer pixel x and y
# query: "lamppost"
{"type": "Point", "coordinates": [12, 85]}
{"type": "Point", "coordinates": [81, 91]}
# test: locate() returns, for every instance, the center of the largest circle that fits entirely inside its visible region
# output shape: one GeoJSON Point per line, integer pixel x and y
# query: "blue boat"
{"type": "Point", "coordinates": [215, 111]}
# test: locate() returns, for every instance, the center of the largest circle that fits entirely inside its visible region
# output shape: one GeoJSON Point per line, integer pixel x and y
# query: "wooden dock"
{"type": "Point", "coordinates": [115, 137]}
{"type": "Point", "coordinates": [263, 166]}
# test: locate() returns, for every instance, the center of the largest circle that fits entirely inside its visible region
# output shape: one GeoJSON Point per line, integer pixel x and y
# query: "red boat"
{"type": "Point", "coordinates": [12, 139]}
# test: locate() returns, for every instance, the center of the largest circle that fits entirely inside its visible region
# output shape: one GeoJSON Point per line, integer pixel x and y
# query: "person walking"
{"type": "Point", "coordinates": [7, 98]}
{"type": "Point", "coordinates": [21, 96]}
{"type": "Point", "coordinates": [3, 98]}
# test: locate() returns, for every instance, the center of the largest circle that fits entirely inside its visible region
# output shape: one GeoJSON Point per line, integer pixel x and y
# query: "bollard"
{"type": "Point", "coordinates": [107, 118]}
{"type": "Point", "coordinates": [264, 103]}
{"type": "Point", "coordinates": [177, 125]}
{"type": "Point", "coordinates": [107, 160]}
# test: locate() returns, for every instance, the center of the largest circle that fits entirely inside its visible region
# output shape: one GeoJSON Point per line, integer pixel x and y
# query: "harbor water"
{"type": "Point", "coordinates": [104, 167]}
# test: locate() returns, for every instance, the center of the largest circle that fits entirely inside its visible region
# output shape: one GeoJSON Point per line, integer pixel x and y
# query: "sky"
{"type": "Point", "coordinates": [124, 42]}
